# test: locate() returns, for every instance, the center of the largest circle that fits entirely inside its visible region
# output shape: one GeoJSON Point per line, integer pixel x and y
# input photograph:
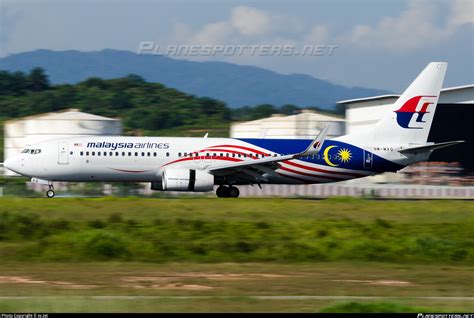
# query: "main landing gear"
{"type": "Point", "coordinates": [50, 192]}
{"type": "Point", "coordinates": [227, 192]}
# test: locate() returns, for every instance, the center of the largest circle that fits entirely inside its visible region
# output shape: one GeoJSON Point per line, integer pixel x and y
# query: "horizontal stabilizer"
{"type": "Point", "coordinates": [430, 147]}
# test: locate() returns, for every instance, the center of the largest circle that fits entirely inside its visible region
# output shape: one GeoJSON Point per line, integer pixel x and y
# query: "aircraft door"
{"type": "Point", "coordinates": [63, 153]}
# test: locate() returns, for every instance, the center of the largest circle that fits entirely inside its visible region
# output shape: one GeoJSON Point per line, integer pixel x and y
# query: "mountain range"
{"type": "Point", "coordinates": [236, 85]}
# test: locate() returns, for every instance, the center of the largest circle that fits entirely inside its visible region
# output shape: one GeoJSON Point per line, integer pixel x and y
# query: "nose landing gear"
{"type": "Point", "coordinates": [227, 192]}
{"type": "Point", "coordinates": [50, 193]}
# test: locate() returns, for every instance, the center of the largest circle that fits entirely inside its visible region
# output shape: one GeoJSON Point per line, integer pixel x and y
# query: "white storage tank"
{"type": "Point", "coordinates": [27, 131]}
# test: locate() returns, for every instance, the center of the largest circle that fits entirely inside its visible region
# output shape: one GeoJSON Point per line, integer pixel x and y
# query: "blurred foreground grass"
{"type": "Point", "coordinates": [243, 230]}
{"type": "Point", "coordinates": [234, 287]}
{"type": "Point", "coordinates": [218, 255]}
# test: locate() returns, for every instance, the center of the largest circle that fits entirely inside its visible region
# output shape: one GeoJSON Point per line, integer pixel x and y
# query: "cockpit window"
{"type": "Point", "coordinates": [31, 151]}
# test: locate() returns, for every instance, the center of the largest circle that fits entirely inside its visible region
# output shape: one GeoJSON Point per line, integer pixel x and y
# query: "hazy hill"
{"type": "Point", "coordinates": [234, 84]}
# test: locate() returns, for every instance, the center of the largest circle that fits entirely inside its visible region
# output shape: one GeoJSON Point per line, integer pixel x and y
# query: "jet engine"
{"type": "Point", "coordinates": [187, 180]}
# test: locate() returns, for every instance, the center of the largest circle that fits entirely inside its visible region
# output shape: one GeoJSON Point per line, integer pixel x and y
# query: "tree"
{"type": "Point", "coordinates": [38, 79]}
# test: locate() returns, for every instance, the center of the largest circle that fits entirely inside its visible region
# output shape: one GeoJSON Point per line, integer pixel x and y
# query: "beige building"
{"type": "Point", "coordinates": [23, 132]}
{"type": "Point", "coordinates": [305, 125]}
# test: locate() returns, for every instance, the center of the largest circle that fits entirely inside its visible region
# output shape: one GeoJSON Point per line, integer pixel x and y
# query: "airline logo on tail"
{"type": "Point", "coordinates": [409, 110]}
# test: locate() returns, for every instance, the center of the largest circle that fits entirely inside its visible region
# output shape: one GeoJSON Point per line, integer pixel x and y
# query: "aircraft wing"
{"type": "Point", "coordinates": [256, 168]}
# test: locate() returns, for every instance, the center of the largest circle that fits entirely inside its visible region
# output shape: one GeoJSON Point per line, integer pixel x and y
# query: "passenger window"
{"type": "Point", "coordinates": [111, 154]}
{"type": "Point", "coordinates": [98, 153]}
{"type": "Point", "coordinates": [136, 154]}
{"type": "Point", "coordinates": [105, 153]}
{"type": "Point", "coordinates": [129, 154]}
{"type": "Point", "coordinates": [143, 154]}
{"type": "Point", "coordinates": [93, 153]}
{"type": "Point", "coordinates": [117, 154]}
{"type": "Point", "coordinates": [227, 155]}
{"type": "Point", "coordinates": [82, 153]}
{"type": "Point", "coordinates": [87, 153]}
{"type": "Point", "coordinates": [167, 154]}
{"type": "Point", "coordinates": [179, 154]}
{"type": "Point", "coordinates": [69, 153]}
{"type": "Point", "coordinates": [148, 154]}
{"type": "Point", "coordinates": [154, 154]}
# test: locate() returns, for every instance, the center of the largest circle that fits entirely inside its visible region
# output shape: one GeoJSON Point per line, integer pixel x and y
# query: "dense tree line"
{"type": "Point", "coordinates": [145, 106]}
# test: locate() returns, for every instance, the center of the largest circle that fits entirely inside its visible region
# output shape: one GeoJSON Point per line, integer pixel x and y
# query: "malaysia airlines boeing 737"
{"type": "Point", "coordinates": [197, 164]}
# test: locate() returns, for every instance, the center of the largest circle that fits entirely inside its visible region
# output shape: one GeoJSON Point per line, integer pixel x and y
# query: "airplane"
{"type": "Point", "coordinates": [399, 139]}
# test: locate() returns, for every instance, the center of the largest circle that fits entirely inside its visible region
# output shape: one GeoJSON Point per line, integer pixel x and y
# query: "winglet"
{"type": "Point", "coordinates": [207, 134]}
{"type": "Point", "coordinates": [316, 144]}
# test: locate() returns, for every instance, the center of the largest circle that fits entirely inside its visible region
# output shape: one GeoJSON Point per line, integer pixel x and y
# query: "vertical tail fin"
{"type": "Point", "coordinates": [409, 120]}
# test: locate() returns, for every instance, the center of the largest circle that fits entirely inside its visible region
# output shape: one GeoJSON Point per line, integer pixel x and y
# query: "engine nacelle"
{"type": "Point", "coordinates": [187, 180]}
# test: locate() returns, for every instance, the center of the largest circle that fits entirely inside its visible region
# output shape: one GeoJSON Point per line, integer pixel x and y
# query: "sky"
{"type": "Point", "coordinates": [376, 44]}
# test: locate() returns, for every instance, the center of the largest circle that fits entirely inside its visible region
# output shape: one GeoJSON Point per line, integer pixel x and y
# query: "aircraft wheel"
{"type": "Point", "coordinates": [50, 194]}
{"type": "Point", "coordinates": [222, 192]}
{"type": "Point", "coordinates": [234, 192]}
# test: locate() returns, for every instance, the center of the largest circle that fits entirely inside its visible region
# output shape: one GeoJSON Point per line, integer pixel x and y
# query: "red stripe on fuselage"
{"type": "Point", "coordinates": [223, 150]}
{"type": "Point", "coordinates": [240, 147]}
{"type": "Point", "coordinates": [323, 170]}
{"type": "Point", "coordinates": [204, 158]}
{"type": "Point", "coordinates": [130, 171]}
{"type": "Point", "coordinates": [307, 174]}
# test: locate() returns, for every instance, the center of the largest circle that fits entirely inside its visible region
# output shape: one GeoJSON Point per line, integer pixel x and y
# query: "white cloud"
{"type": "Point", "coordinates": [462, 12]}
{"type": "Point", "coordinates": [250, 21]}
{"type": "Point", "coordinates": [214, 33]}
{"type": "Point", "coordinates": [317, 35]}
{"type": "Point", "coordinates": [419, 26]}
{"type": "Point", "coordinates": [248, 25]}
{"type": "Point", "coordinates": [415, 28]}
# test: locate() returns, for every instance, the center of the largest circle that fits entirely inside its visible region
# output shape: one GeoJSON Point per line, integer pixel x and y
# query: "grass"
{"type": "Point", "coordinates": [61, 254]}
{"type": "Point", "coordinates": [247, 230]}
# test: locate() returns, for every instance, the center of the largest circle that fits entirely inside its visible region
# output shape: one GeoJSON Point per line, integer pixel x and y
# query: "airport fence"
{"type": "Point", "coordinates": [376, 190]}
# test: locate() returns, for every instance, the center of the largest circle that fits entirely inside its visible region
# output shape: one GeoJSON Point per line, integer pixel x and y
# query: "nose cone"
{"type": "Point", "coordinates": [13, 164]}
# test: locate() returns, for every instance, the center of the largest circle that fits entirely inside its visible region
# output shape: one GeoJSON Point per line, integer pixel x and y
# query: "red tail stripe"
{"type": "Point", "coordinates": [324, 171]}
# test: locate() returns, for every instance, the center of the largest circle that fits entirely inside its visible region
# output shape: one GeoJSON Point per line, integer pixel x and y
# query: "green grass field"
{"type": "Point", "coordinates": [196, 254]}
